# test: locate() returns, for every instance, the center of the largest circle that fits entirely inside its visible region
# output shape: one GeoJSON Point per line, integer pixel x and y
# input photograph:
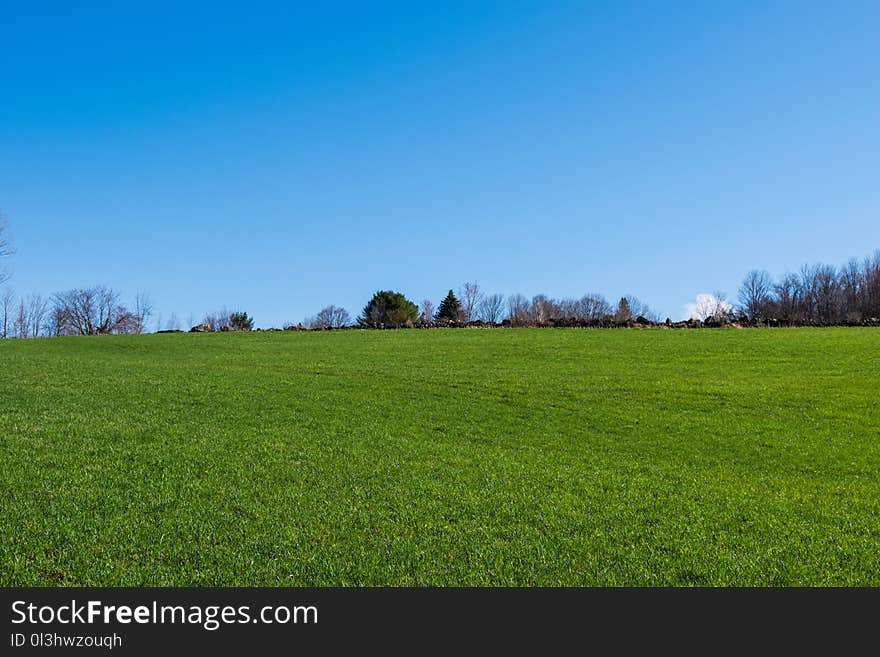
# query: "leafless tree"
{"type": "Point", "coordinates": [852, 289]}
{"type": "Point", "coordinates": [817, 294]}
{"type": "Point", "coordinates": [331, 317]}
{"type": "Point", "coordinates": [518, 310]}
{"type": "Point", "coordinates": [173, 323]}
{"type": "Point", "coordinates": [37, 311]}
{"type": "Point", "coordinates": [593, 307]}
{"type": "Point", "coordinates": [714, 307]}
{"type": "Point", "coordinates": [30, 317]}
{"type": "Point", "coordinates": [7, 300]}
{"type": "Point", "coordinates": [787, 299]}
{"type": "Point", "coordinates": [542, 310]}
{"type": "Point", "coordinates": [829, 296]}
{"type": "Point", "coordinates": [217, 320]}
{"type": "Point", "coordinates": [143, 310]}
{"type": "Point", "coordinates": [492, 308]}
{"type": "Point", "coordinates": [639, 308]}
{"type": "Point", "coordinates": [631, 307]}
{"type": "Point", "coordinates": [5, 247]}
{"type": "Point", "coordinates": [470, 297]}
{"type": "Point", "coordinates": [754, 294]}
{"type": "Point", "coordinates": [339, 317]}
{"type": "Point", "coordinates": [22, 325]}
{"type": "Point", "coordinates": [56, 325]}
{"type": "Point", "coordinates": [427, 311]}
{"type": "Point", "coordinates": [871, 296]}
{"type": "Point", "coordinates": [92, 311]}
{"type": "Point", "coordinates": [809, 292]}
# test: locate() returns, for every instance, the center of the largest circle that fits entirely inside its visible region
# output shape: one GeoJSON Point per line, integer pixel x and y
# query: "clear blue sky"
{"type": "Point", "coordinates": [279, 158]}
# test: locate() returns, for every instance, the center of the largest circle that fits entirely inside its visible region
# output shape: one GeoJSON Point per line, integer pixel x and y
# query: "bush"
{"type": "Point", "coordinates": [241, 322]}
{"type": "Point", "coordinates": [388, 309]}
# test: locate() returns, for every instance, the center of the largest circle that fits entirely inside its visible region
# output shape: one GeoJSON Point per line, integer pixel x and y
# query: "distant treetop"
{"type": "Point", "coordinates": [449, 311]}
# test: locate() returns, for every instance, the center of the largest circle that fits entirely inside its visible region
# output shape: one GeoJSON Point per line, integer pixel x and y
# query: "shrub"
{"type": "Point", "coordinates": [388, 309]}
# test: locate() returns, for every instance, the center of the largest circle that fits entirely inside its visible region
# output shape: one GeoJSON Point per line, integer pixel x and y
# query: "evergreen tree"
{"type": "Point", "coordinates": [449, 311]}
{"type": "Point", "coordinates": [624, 313]}
{"type": "Point", "coordinates": [241, 322]}
{"type": "Point", "coordinates": [388, 309]}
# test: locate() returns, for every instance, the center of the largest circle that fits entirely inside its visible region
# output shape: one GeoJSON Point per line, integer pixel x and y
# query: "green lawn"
{"type": "Point", "coordinates": [442, 457]}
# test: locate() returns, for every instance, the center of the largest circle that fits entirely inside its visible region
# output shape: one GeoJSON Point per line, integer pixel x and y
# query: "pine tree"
{"type": "Point", "coordinates": [624, 313]}
{"type": "Point", "coordinates": [449, 311]}
{"type": "Point", "coordinates": [241, 322]}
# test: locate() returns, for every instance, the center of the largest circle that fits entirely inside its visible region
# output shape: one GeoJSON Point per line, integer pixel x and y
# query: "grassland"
{"type": "Point", "coordinates": [444, 457]}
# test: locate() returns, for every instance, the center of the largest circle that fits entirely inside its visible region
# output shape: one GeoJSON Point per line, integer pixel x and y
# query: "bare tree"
{"type": "Point", "coordinates": [37, 311]}
{"type": "Point", "coordinates": [470, 296]}
{"type": "Point", "coordinates": [714, 307]}
{"type": "Point", "coordinates": [754, 294]}
{"type": "Point", "coordinates": [639, 308]}
{"type": "Point", "coordinates": [7, 301]}
{"type": "Point", "coordinates": [542, 310]}
{"type": "Point", "coordinates": [217, 320]}
{"type": "Point", "coordinates": [143, 310]}
{"type": "Point", "coordinates": [339, 317]}
{"type": "Point", "coordinates": [56, 326]}
{"type": "Point", "coordinates": [787, 293]}
{"type": "Point", "coordinates": [22, 325]}
{"type": "Point", "coordinates": [829, 295]}
{"type": "Point", "coordinates": [492, 308]}
{"type": "Point", "coordinates": [817, 294]}
{"type": "Point", "coordinates": [723, 311]}
{"type": "Point", "coordinates": [427, 311]}
{"type": "Point", "coordinates": [871, 295]}
{"type": "Point", "coordinates": [808, 293]}
{"type": "Point", "coordinates": [91, 311]}
{"type": "Point", "coordinates": [852, 284]}
{"type": "Point", "coordinates": [518, 310]}
{"type": "Point", "coordinates": [592, 308]}
{"type": "Point", "coordinates": [173, 323]}
{"type": "Point", "coordinates": [5, 247]}
{"type": "Point", "coordinates": [30, 317]}
{"type": "Point", "coordinates": [331, 317]}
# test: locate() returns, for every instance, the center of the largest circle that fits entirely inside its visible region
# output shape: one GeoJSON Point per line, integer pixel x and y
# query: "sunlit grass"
{"type": "Point", "coordinates": [443, 457]}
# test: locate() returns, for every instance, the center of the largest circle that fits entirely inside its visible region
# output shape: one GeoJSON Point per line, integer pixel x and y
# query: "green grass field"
{"type": "Point", "coordinates": [442, 457]}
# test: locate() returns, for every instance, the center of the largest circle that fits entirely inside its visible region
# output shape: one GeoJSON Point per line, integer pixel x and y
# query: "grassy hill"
{"type": "Point", "coordinates": [480, 457]}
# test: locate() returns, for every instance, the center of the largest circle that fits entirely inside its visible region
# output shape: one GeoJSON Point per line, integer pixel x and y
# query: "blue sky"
{"type": "Point", "coordinates": [280, 158]}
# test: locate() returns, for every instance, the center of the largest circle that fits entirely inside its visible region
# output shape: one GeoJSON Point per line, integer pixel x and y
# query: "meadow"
{"type": "Point", "coordinates": [442, 457]}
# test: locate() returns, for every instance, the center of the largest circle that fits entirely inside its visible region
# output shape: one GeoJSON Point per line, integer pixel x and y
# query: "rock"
{"type": "Point", "coordinates": [200, 328]}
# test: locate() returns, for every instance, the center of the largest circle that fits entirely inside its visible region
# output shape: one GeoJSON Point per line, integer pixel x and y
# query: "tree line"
{"type": "Point", "coordinates": [87, 311]}
{"type": "Point", "coordinates": [816, 295]}
{"type": "Point", "coordinates": [821, 295]}
{"type": "Point", "coordinates": [473, 307]}
{"type": "Point", "coordinates": [97, 310]}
